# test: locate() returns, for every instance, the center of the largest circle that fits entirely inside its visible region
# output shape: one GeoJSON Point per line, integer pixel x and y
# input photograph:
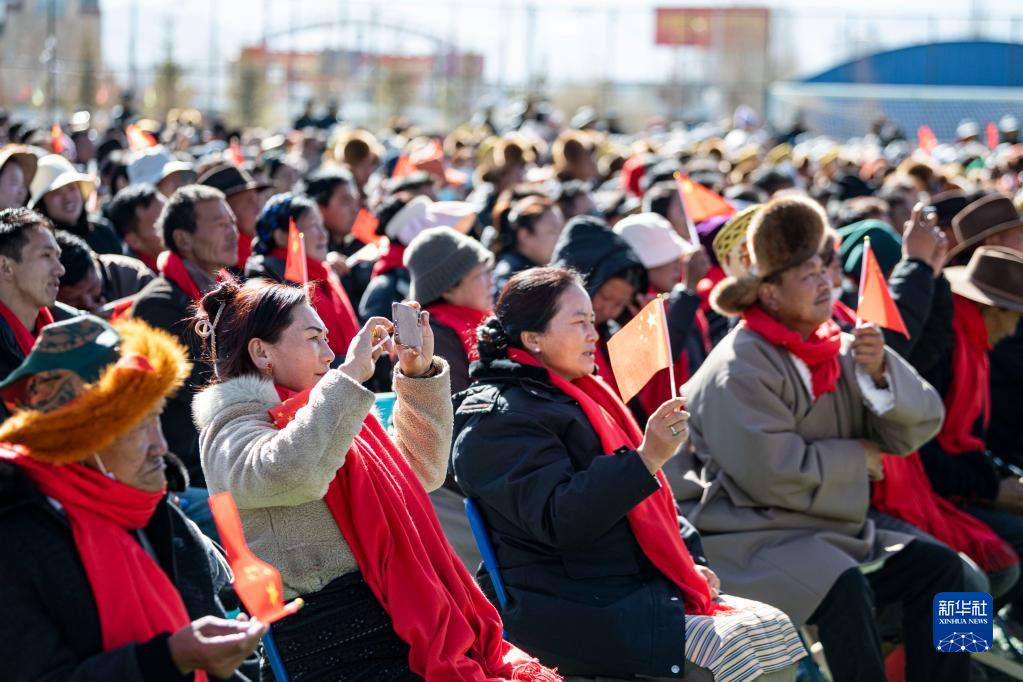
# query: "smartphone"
{"type": "Point", "coordinates": [406, 325]}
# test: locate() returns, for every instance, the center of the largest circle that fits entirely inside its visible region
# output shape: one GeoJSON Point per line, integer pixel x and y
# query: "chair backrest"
{"type": "Point", "coordinates": [482, 538]}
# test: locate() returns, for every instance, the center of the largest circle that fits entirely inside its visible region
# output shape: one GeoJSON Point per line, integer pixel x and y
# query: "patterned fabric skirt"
{"type": "Point", "coordinates": [751, 640]}
{"type": "Point", "coordinates": [342, 634]}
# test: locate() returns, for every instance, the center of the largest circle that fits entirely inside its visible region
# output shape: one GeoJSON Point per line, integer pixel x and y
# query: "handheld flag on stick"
{"type": "Point", "coordinates": [876, 304]}
{"type": "Point", "coordinates": [699, 204]}
{"type": "Point", "coordinates": [257, 583]}
{"type": "Point", "coordinates": [641, 349]}
{"type": "Point", "coordinates": [991, 132]}
{"type": "Point", "coordinates": [926, 138]}
{"type": "Point", "coordinates": [138, 139]}
{"type": "Point", "coordinates": [56, 138]}
{"type": "Point", "coordinates": [295, 268]}
{"type": "Point", "coordinates": [365, 227]}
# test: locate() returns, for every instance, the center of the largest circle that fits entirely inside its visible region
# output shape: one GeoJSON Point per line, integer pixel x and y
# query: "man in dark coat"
{"type": "Point", "coordinates": [103, 578]}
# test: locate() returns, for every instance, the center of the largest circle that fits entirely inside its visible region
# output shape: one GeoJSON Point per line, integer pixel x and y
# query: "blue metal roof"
{"type": "Point", "coordinates": [969, 63]}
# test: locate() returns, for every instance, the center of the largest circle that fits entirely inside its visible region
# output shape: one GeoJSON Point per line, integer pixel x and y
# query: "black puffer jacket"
{"type": "Point", "coordinates": [51, 629]}
{"type": "Point", "coordinates": [582, 595]}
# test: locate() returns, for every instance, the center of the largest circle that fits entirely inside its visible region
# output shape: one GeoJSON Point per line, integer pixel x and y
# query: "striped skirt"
{"type": "Point", "coordinates": [751, 640]}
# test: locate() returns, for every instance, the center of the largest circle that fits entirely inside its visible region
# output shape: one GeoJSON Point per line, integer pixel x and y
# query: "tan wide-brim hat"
{"type": "Point", "coordinates": [994, 276]}
{"type": "Point", "coordinates": [21, 155]}
{"type": "Point", "coordinates": [983, 218]}
{"type": "Point", "coordinates": [54, 172]}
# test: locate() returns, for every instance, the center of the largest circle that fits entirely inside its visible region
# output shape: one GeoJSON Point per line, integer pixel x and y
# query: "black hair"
{"type": "Point", "coordinates": [14, 224]}
{"type": "Point", "coordinates": [659, 197]}
{"type": "Point", "coordinates": [76, 257]}
{"type": "Point", "coordinates": [388, 210]}
{"type": "Point", "coordinates": [569, 192]}
{"type": "Point", "coordinates": [320, 185]}
{"type": "Point", "coordinates": [121, 209]}
{"type": "Point", "coordinates": [179, 211]}
{"type": "Point", "coordinates": [528, 302]}
{"type": "Point", "coordinates": [259, 309]}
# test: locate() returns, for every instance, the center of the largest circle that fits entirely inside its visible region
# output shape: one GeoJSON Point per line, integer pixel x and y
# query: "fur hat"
{"type": "Point", "coordinates": [87, 383]}
{"type": "Point", "coordinates": [786, 232]}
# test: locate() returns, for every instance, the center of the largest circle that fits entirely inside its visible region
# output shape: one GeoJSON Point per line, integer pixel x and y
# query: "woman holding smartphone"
{"type": "Point", "coordinates": [340, 508]}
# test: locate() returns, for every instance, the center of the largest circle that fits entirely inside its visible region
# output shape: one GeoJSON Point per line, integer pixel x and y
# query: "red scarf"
{"type": "Point", "coordinates": [134, 597]}
{"type": "Point", "coordinates": [22, 335]}
{"type": "Point", "coordinates": [906, 493]}
{"type": "Point", "coordinates": [464, 321]}
{"type": "Point", "coordinates": [391, 259]}
{"type": "Point", "coordinates": [819, 352]}
{"type": "Point", "coordinates": [173, 268]}
{"type": "Point", "coordinates": [969, 396]}
{"type": "Point", "coordinates": [843, 313]}
{"type": "Point", "coordinates": [244, 249]}
{"type": "Point", "coordinates": [331, 303]}
{"type": "Point", "coordinates": [148, 261]}
{"type": "Point", "coordinates": [654, 521]}
{"type": "Point", "coordinates": [386, 517]}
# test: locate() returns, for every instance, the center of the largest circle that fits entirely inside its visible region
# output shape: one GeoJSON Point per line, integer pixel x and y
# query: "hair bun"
{"type": "Point", "coordinates": [492, 339]}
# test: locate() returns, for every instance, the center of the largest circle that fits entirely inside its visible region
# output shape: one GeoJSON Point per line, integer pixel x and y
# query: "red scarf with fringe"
{"type": "Point", "coordinates": [969, 395]}
{"type": "Point", "coordinates": [906, 493]}
{"type": "Point", "coordinates": [135, 599]}
{"type": "Point", "coordinates": [386, 517]}
{"type": "Point", "coordinates": [25, 338]}
{"type": "Point", "coordinates": [331, 302]}
{"type": "Point", "coordinates": [463, 320]}
{"type": "Point", "coordinates": [391, 259]}
{"type": "Point", "coordinates": [654, 521]}
{"type": "Point", "coordinates": [819, 352]}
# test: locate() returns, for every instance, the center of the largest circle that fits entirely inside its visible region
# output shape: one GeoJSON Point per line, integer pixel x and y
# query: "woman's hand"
{"type": "Point", "coordinates": [415, 362]}
{"type": "Point", "coordinates": [713, 582]}
{"type": "Point", "coordinates": [360, 362]}
{"type": "Point", "coordinates": [666, 431]}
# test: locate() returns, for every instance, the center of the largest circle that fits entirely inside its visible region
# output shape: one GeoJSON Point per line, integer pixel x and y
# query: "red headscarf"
{"type": "Point", "coordinates": [654, 521]}
{"type": "Point", "coordinates": [25, 338]}
{"type": "Point", "coordinates": [969, 396]}
{"type": "Point", "coordinates": [387, 518]}
{"type": "Point", "coordinates": [819, 352]}
{"type": "Point", "coordinates": [134, 597]}
{"type": "Point", "coordinates": [463, 320]}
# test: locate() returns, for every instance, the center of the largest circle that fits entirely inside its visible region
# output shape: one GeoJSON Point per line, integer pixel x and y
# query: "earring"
{"type": "Point", "coordinates": [269, 371]}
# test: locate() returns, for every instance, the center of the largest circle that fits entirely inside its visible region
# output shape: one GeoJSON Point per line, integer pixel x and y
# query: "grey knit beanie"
{"type": "Point", "coordinates": [438, 258]}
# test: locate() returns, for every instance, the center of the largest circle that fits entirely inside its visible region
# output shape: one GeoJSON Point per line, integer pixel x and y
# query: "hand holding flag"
{"type": "Point", "coordinates": [295, 268]}
{"type": "Point", "coordinates": [876, 304]}
{"type": "Point", "coordinates": [641, 349]}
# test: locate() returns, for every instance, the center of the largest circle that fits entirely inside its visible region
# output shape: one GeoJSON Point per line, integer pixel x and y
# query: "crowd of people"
{"type": "Point", "coordinates": [807, 475]}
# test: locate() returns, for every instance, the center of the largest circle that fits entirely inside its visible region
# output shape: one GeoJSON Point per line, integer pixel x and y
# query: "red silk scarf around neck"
{"type": "Point", "coordinates": [819, 352]}
{"type": "Point", "coordinates": [386, 517]}
{"type": "Point", "coordinates": [905, 492]}
{"type": "Point", "coordinates": [391, 259]}
{"type": "Point", "coordinates": [654, 521]}
{"type": "Point", "coordinates": [331, 302]}
{"type": "Point", "coordinates": [969, 396]}
{"type": "Point", "coordinates": [134, 597]}
{"type": "Point", "coordinates": [464, 321]}
{"type": "Point", "coordinates": [22, 335]}
{"type": "Point", "coordinates": [173, 268]}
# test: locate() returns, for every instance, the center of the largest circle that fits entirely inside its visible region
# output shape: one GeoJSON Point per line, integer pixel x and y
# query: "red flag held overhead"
{"type": "Point", "coordinates": [295, 267]}
{"type": "Point", "coordinates": [876, 304]}
{"type": "Point", "coordinates": [926, 138]}
{"type": "Point", "coordinates": [56, 138]}
{"type": "Point", "coordinates": [257, 583]}
{"type": "Point", "coordinates": [991, 132]}
{"type": "Point", "coordinates": [699, 202]}
{"type": "Point", "coordinates": [138, 139]}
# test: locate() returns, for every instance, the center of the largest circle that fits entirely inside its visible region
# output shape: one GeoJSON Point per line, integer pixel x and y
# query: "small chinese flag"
{"type": "Point", "coordinates": [234, 150]}
{"type": "Point", "coordinates": [876, 304]}
{"type": "Point", "coordinates": [365, 227]}
{"type": "Point", "coordinates": [926, 138]}
{"type": "Point", "coordinates": [138, 139]}
{"type": "Point", "coordinates": [295, 267]}
{"type": "Point", "coordinates": [991, 132]}
{"type": "Point", "coordinates": [257, 583]}
{"type": "Point", "coordinates": [640, 349]}
{"type": "Point", "coordinates": [56, 138]}
{"type": "Point", "coordinates": [699, 203]}
{"type": "Point", "coordinates": [403, 167]}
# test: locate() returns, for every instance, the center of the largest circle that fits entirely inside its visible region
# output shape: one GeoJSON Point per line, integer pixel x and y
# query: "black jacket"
{"type": "Point", "coordinates": [50, 628]}
{"type": "Point", "coordinates": [447, 345]}
{"type": "Point", "coordinates": [382, 291]}
{"type": "Point", "coordinates": [509, 264]}
{"type": "Point", "coordinates": [1005, 434]}
{"type": "Point", "coordinates": [925, 304]}
{"type": "Point", "coordinates": [582, 595]}
{"type": "Point", "coordinates": [268, 267]}
{"type": "Point", "coordinates": [164, 305]}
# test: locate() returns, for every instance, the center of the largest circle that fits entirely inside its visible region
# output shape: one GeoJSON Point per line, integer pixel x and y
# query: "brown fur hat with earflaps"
{"type": "Point", "coordinates": [787, 232]}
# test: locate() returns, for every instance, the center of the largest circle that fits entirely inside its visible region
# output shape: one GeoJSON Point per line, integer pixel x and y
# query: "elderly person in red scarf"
{"type": "Point", "coordinates": [336, 504]}
{"type": "Point", "coordinates": [789, 420]}
{"type": "Point", "coordinates": [102, 578]}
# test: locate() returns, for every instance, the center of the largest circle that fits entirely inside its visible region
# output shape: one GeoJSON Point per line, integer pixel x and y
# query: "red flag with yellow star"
{"type": "Point", "coordinates": [640, 349]}
{"type": "Point", "coordinates": [295, 268]}
{"type": "Point", "coordinates": [257, 583]}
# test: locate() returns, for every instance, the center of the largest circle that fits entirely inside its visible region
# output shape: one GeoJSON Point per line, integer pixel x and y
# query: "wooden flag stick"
{"type": "Point", "coordinates": [667, 342]}
{"type": "Point", "coordinates": [863, 277]}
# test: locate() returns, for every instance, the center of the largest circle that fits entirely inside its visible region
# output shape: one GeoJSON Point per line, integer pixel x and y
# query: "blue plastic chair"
{"type": "Point", "coordinates": [482, 538]}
